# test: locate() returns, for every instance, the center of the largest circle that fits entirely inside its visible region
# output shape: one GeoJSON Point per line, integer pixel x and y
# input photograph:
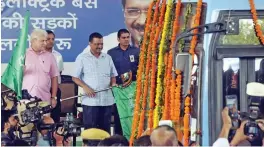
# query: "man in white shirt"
{"type": "Point", "coordinates": [59, 61]}
{"type": "Point", "coordinates": [55, 114]}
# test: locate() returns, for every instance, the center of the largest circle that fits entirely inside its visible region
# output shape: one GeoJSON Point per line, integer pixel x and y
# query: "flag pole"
{"type": "Point", "coordinates": [73, 97]}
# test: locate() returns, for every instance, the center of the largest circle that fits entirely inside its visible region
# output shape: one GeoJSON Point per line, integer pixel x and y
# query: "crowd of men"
{"type": "Point", "coordinates": [93, 71]}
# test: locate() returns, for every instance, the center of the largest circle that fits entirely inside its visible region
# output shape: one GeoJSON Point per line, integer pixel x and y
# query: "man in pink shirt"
{"type": "Point", "coordinates": [41, 71]}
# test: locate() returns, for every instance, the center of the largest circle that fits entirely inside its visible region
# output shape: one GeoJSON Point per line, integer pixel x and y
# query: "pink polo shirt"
{"type": "Point", "coordinates": [38, 71]}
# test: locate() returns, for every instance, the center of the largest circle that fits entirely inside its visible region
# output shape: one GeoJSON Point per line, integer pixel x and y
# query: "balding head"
{"type": "Point", "coordinates": [38, 39]}
{"type": "Point", "coordinates": [164, 136]}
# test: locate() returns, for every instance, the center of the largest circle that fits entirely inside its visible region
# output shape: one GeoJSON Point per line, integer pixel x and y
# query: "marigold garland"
{"type": "Point", "coordinates": [257, 26]}
{"type": "Point", "coordinates": [184, 27]}
{"type": "Point", "coordinates": [169, 79]}
{"type": "Point", "coordinates": [147, 65]}
{"type": "Point", "coordinates": [186, 121]}
{"type": "Point", "coordinates": [160, 64]}
{"type": "Point", "coordinates": [196, 23]}
{"type": "Point", "coordinates": [146, 82]}
{"type": "Point", "coordinates": [177, 101]}
{"type": "Point", "coordinates": [172, 100]}
{"type": "Point", "coordinates": [153, 66]}
{"type": "Point", "coordinates": [139, 76]}
{"type": "Point", "coordinates": [166, 94]}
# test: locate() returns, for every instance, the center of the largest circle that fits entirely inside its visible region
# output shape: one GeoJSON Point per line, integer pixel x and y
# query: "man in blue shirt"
{"type": "Point", "coordinates": [125, 58]}
{"type": "Point", "coordinates": [95, 71]}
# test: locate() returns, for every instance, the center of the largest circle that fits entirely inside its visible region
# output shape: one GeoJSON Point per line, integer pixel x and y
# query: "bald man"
{"type": "Point", "coordinates": [164, 136]}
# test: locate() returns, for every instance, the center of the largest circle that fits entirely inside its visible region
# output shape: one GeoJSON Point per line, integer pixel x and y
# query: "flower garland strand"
{"type": "Point", "coordinates": [177, 103]}
{"type": "Point", "coordinates": [172, 100]}
{"type": "Point", "coordinates": [147, 71]}
{"type": "Point", "coordinates": [153, 66]}
{"type": "Point", "coordinates": [159, 90]}
{"type": "Point", "coordinates": [139, 76]}
{"type": "Point", "coordinates": [257, 26]}
{"type": "Point", "coordinates": [178, 96]}
{"type": "Point", "coordinates": [196, 23]}
{"type": "Point", "coordinates": [166, 107]}
{"type": "Point", "coordinates": [168, 95]}
{"type": "Point", "coordinates": [186, 121]}
{"type": "Point", "coordinates": [173, 84]}
{"type": "Point", "coordinates": [184, 27]}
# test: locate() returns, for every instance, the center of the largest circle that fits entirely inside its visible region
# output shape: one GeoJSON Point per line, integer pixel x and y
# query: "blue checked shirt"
{"type": "Point", "coordinates": [96, 73]}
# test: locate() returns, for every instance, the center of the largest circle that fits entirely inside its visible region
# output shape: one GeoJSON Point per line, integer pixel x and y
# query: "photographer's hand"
{"type": "Point", "coordinates": [58, 138]}
{"type": "Point", "coordinates": [68, 141]}
{"type": "Point", "coordinates": [260, 124]}
{"type": "Point", "coordinates": [227, 124]}
{"type": "Point", "coordinates": [239, 136]}
{"type": "Point", "coordinates": [226, 118]}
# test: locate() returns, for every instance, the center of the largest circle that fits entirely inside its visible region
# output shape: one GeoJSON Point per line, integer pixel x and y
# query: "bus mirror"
{"type": "Point", "coordinates": [232, 26]}
{"type": "Point", "coordinates": [183, 62]}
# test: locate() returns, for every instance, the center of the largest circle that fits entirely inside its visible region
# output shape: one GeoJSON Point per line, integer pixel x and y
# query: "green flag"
{"type": "Point", "coordinates": [13, 75]}
{"type": "Point", "coordinates": [125, 99]}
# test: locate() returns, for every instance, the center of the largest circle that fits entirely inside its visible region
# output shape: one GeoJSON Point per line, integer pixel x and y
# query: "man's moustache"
{"type": "Point", "coordinates": [139, 27]}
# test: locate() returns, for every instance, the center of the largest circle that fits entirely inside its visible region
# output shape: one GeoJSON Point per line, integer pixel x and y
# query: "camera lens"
{"type": "Point", "coordinates": [253, 130]}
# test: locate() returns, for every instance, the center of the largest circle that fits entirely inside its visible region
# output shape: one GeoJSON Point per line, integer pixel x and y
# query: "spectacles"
{"type": "Point", "coordinates": [133, 12]}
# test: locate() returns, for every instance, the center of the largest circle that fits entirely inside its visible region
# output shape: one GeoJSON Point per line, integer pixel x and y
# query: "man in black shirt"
{"type": "Point", "coordinates": [125, 58]}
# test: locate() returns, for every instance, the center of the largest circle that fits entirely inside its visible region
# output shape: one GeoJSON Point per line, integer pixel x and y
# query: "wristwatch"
{"type": "Point", "coordinates": [54, 97]}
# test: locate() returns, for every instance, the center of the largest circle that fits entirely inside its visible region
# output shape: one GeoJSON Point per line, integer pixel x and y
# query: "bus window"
{"type": "Point", "coordinates": [246, 34]}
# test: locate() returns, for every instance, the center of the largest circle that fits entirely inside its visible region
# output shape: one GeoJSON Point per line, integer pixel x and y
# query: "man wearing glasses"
{"type": "Point", "coordinates": [135, 13]}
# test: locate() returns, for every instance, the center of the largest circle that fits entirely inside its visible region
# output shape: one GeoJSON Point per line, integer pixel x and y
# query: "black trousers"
{"type": "Point", "coordinates": [97, 117]}
{"type": "Point", "coordinates": [118, 127]}
{"type": "Point", "coordinates": [55, 113]}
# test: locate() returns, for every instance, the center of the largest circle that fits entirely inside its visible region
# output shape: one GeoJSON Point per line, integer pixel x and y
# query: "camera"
{"type": "Point", "coordinates": [71, 126]}
{"type": "Point", "coordinates": [34, 112]}
{"type": "Point", "coordinates": [31, 109]}
{"type": "Point", "coordinates": [256, 96]}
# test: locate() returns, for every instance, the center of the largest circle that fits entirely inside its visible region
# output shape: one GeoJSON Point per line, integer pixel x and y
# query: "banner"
{"type": "Point", "coordinates": [72, 22]}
